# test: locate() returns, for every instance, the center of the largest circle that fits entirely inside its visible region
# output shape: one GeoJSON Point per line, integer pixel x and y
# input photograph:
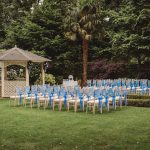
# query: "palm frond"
{"type": "Point", "coordinates": [75, 27]}
{"type": "Point", "coordinates": [88, 25]}
{"type": "Point", "coordinates": [88, 37]}
{"type": "Point", "coordinates": [71, 36]}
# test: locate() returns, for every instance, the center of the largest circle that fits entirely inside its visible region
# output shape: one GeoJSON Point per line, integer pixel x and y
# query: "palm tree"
{"type": "Point", "coordinates": [84, 22]}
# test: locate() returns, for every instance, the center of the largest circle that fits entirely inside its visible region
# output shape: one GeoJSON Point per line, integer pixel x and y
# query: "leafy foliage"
{"type": "Point", "coordinates": [49, 79]}
{"type": "Point", "coordinates": [126, 37]}
{"type": "Point", "coordinates": [129, 31]}
{"type": "Point", "coordinates": [34, 72]}
{"type": "Point", "coordinates": [103, 70]}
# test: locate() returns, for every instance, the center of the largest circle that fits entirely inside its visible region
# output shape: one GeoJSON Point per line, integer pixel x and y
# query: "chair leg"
{"type": "Point", "coordinates": [68, 106]}
{"type": "Point", "coordinates": [24, 101]}
{"type": "Point", "coordinates": [101, 107]}
{"type": "Point", "coordinates": [75, 106]}
{"type": "Point", "coordinates": [53, 105]}
{"type": "Point", "coordinates": [38, 104]}
{"type": "Point", "coordinates": [120, 102]}
{"type": "Point", "coordinates": [115, 104]}
{"type": "Point", "coordinates": [31, 103]}
{"type": "Point", "coordinates": [86, 109]}
{"type": "Point", "coordinates": [60, 106]}
{"type": "Point", "coordinates": [47, 103]}
{"type": "Point", "coordinates": [94, 109]}
{"type": "Point", "coordinates": [44, 105]}
{"type": "Point", "coordinates": [90, 106]}
{"type": "Point", "coordinates": [83, 106]}
{"type": "Point", "coordinates": [108, 106]}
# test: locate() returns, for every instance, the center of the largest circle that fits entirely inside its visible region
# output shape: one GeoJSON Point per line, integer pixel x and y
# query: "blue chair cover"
{"type": "Point", "coordinates": [27, 91]}
{"type": "Point", "coordinates": [65, 100]}
{"type": "Point", "coordinates": [50, 99]}
{"type": "Point", "coordinates": [113, 100]}
{"type": "Point", "coordinates": [81, 101]}
{"type": "Point", "coordinates": [100, 101]}
{"type": "Point", "coordinates": [36, 97]}
{"type": "Point", "coordinates": [120, 99]}
{"type": "Point", "coordinates": [19, 93]}
{"type": "Point", "coordinates": [106, 100]}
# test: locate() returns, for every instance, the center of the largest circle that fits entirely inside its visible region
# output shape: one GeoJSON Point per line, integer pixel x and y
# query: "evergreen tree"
{"type": "Point", "coordinates": [10, 11]}
{"type": "Point", "coordinates": [42, 29]}
{"type": "Point", "coordinates": [84, 22]}
{"type": "Point", "coordinates": [129, 30]}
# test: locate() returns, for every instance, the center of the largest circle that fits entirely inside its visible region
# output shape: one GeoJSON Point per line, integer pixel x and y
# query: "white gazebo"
{"type": "Point", "coordinates": [14, 70]}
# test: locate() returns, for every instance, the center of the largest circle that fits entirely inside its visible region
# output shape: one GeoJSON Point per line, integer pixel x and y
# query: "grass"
{"type": "Point", "coordinates": [25, 129]}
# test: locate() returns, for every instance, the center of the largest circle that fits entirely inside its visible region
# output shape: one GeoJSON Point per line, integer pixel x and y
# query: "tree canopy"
{"type": "Point", "coordinates": [41, 28]}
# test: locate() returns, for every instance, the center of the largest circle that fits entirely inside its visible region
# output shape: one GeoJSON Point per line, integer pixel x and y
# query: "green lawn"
{"type": "Point", "coordinates": [25, 129]}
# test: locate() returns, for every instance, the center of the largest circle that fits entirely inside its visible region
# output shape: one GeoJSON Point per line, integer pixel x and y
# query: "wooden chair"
{"type": "Point", "coordinates": [72, 102]}
{"type": "Point", "coordinates": [42, 101]}
{"type": "Point", "coordinates": [18, 98]}
{"type": "Point", "coordinates": [57, 101]}
{"type": "Point", "coordinates": [80, 101]}
{"type": "Point", "coordinates": [94, 103]}
{"type": "Point", "coordinates": [90, 104]}
{"type": "Point", "coordinates": [27, 96]}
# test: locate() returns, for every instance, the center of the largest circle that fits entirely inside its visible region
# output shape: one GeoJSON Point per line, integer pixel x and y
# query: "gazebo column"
{"type": "Point", "coordinates": [2, 79]}
{"type": "Point", "coordinates": [27, 75]}
{"type": "Point", "coordinates": [43, 74]}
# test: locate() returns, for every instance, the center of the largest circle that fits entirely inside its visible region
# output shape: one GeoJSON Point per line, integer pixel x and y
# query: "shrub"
{"type": "Point", "coordinates": [135, 96]}
{"type": "Point", "coordinates": [139, 102]}
{"type": "Point", "coordinates": [49, 79]}
{"type": "Point", "coordinates": [103, 69]}
{"type": "Point", "coordinates": [35, 71]}
{"type": "Point", "coordinates": [59, 79]}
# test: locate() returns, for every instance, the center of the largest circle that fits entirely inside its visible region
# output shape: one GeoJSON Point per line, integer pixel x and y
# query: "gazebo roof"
{"type": "Point", "coordinates": [17, 54]}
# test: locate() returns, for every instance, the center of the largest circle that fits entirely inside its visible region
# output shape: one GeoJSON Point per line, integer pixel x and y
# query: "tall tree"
{"type": "Point", "coordinates": [129, 31]}
{"type": "Point", "coordinates": [84, 22]}
{"type": "Point", "coordinates": [10, 11]}
{"type": "Point", "coordinates": [42, 30]}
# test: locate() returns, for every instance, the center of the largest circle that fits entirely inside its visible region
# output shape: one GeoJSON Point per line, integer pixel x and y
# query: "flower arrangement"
{"type": "Point", "coordinates": [12, 74]}
{"type": "Point", "coordinates": [15, 72]}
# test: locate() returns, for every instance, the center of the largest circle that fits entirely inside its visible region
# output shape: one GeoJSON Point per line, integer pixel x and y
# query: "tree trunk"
{"type": "Point", "coordinates": [85, 60]}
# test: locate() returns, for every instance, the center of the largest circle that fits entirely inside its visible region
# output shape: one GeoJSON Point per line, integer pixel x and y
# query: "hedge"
{"type": "Point", "coordinates": [139, 102]}
{"type": "Point", "coordinates": [135, 96]}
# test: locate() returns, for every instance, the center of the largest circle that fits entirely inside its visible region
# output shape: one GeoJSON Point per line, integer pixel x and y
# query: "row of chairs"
{"type": "Point", "coordinates": [119, 82]}
{"type": "Point", "coordinates": [67, 97]}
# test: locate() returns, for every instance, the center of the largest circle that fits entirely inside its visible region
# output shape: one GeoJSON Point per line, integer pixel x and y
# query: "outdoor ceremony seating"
{"type": "Point", "coordinates": [98, 94]}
